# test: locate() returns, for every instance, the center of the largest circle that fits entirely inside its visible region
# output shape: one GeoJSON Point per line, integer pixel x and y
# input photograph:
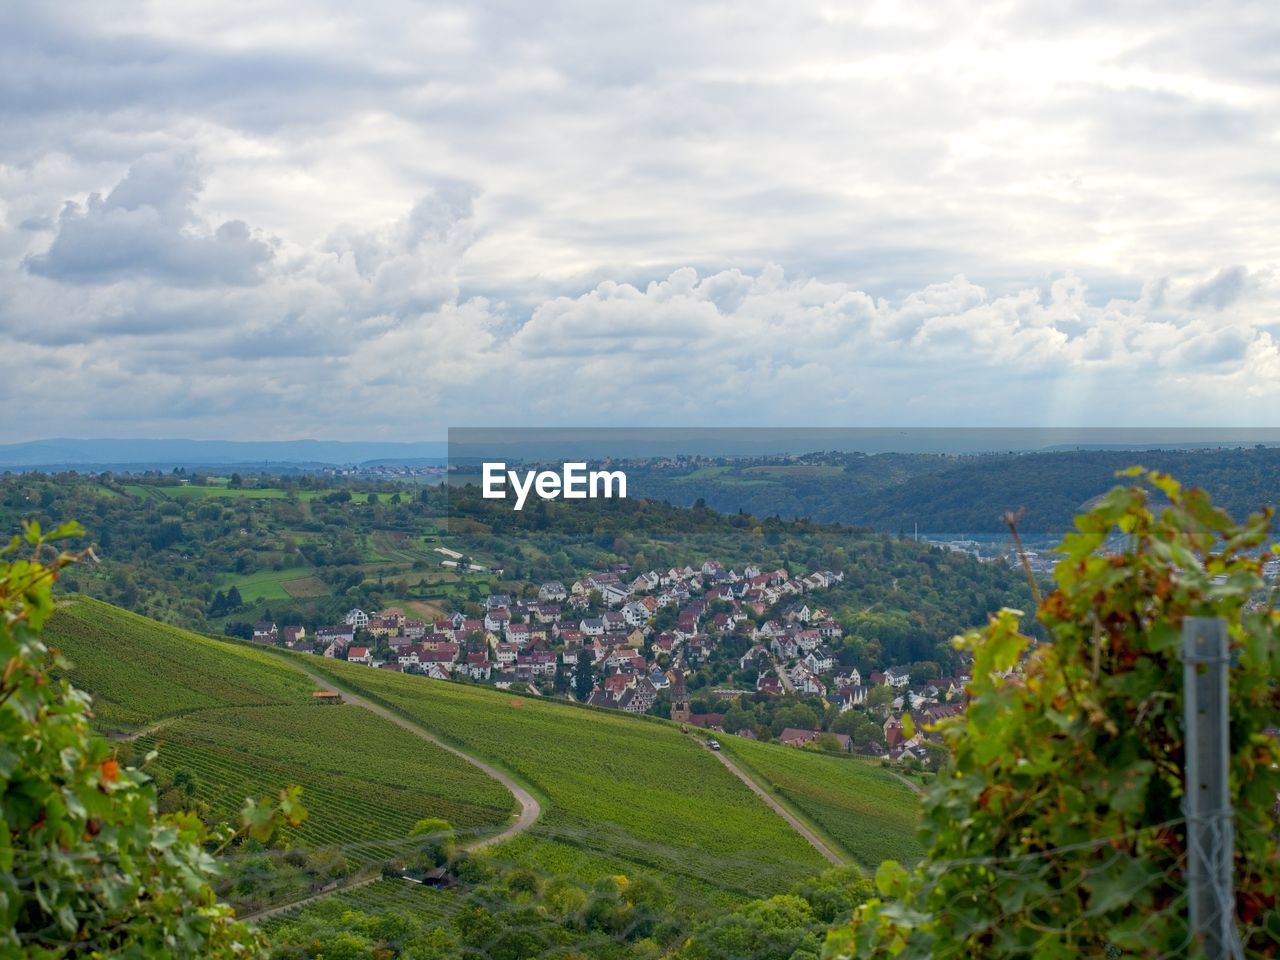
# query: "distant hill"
{"type": "Point", "coordinates": [940, 493]}
{"type": "Point", "coordinates": [117, 454]}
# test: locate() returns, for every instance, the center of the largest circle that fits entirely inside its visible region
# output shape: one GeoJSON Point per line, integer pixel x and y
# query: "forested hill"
{"type": "Point", "coordinates": [955, 494]}
{"type": "Point", "coordinates": [217, 557]}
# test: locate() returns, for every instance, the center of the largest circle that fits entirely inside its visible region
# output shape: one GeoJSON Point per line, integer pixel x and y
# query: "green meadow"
{"type": "Point", "coordinates": [868, 811]}
{"type": "Point", "coordinates": [628, 790]}
{"type": "Point", "coordinates": [238, 721]}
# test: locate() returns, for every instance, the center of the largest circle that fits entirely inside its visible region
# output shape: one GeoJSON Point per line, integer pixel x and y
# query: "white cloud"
{"type": "Point", "coordinates": [313, 221]}
{"type": "Point", "coordinates": [147, 228]}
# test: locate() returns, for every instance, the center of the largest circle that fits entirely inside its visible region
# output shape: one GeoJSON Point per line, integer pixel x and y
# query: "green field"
{"type": "Point", "coordinates": [365, 782]}
{"type": "Point", "coordinates": [141, 671]}
{"type": "Point", "coordinates": [245, 493]}
{"type": "Point", "coordinates": [241, 722]}
{"type": "Point", "coordinates": [620, 794]}
{"type": "Point", "coordinates": [630, 791]}
{"type": "Point", "coordinates": [177, 491]}
{"type": "Point", "coordinates": [795, 470]}
{"type": "Point", "coordinates": [864, 808]}
{"type": "Point", "coordinates": [270, 584]}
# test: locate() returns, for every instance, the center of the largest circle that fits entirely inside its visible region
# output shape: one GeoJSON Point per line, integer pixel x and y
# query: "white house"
{"type": "Point", "coordinates": [785, 647]}
{"type": "Point", "coordinates": [805, 682]}
{"type": "Point", "coordinates": [552, 591]}
{"type": "Point", "coordinates": [821, 659]}
{"type": "Point", "coordinates": [615, 593]}
{"type": "Point", "coordinates": [635, 613]}
{"type": "Point", "coordinates": [850, 678]}
{"type": "Point", "coordinates": [478, 666]}
{"type": "Point", "coordinates": [357, 618]}
{"type": "Point", "coordinates": [897, 677]}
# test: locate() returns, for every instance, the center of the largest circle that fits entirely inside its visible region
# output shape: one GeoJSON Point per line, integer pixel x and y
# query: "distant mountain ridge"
{"type": "Point", "coordinates": [107, 453]}
{"type": "Point", "coordinates": [593, 443]}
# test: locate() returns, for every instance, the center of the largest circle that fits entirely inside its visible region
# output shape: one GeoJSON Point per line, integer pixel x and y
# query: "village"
{"type": "Point", "coordinates": [621, 641]}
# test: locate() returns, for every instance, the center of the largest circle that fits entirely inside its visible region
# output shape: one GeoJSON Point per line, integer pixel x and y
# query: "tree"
{"type": "Point", "coordinates": [584, 680]}
{"type": "Point", "coordinates": [435, 838]}
{"type": "Point", "coordinates": [879, 697]}
{"type": "Point", "coordinates": [772, 929]}
{"type": "Point", "coordinates": [737, 718]}
{"type": "Point", "coordinates": [561, 682]}
{"type": "Point", "coordinates": [89, 868]}
{"type": "Point", "coordinates": [1066, 769]}
{"type": "Point", "coordinates": [798, 715]}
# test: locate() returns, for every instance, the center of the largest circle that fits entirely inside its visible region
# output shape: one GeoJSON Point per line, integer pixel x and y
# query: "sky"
{"type": "Point", "coordinates": [278, 219]}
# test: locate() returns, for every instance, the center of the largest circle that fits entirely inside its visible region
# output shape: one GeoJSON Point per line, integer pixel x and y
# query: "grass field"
{"type": "Point", "coordinates": [268, 584]}
{"type": "Point", "coordinates": [864, 808]}
{"type": "Point", "coordinates": [427, 610]}
{"type": "Point", "coordinates": [796, 470]}
{"type": "Point", "coordinates": [243, 723]}
{"type": "Point", "coordinates": [614, 786]}
{"type": "Point", "coordinates": [620, 794]}
{"type": "Point", "coordinates": [365, 781]}
{"type": "Point", "coordinates": [188, 491]}
{"type": "Point", "coordinates": [141, 671]}
{"type": "Point", "coordinates": [305, 587]}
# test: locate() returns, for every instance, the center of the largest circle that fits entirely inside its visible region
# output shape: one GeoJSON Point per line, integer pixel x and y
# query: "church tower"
{"type": "Point", "coordinates": [679, 697]}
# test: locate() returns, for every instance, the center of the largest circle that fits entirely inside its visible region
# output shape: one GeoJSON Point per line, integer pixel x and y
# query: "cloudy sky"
{"type": "Point", "coordinates": [282, 219]}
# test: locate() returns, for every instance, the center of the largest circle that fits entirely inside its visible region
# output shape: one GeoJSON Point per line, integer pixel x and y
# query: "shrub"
{"type": "Point", "coordinates": [88, 866]}
{"type": "Point", "coordinates": [1056, 830]}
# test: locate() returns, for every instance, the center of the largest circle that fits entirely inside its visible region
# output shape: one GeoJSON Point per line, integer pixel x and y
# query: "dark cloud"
{"type": "Point", "coordinates": [147, 227]}
{"type": "Point", "coordinates": [1220, 291]}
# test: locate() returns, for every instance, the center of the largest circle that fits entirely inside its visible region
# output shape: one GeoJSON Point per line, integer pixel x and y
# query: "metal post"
{"type": "Point", "coordinates": [1210, 839]}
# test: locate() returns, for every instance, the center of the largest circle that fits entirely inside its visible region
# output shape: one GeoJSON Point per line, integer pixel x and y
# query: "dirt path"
{"type": "Point", "coordinates": [160, 724]}
{"type": "Point", "coordinates": [815, 841]}
{"type": "Point", "coordinates": [360, 881]}
{"type": "Point", "coordinates": [919, 790]}
{"type": "Point", "coordinates": [530, 809]}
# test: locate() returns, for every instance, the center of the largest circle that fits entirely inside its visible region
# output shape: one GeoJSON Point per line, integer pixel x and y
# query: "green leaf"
{"type": "Point", "coordinates": [891, 878]}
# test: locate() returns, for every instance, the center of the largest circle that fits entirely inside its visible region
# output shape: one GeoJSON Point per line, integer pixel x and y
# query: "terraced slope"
{"type": "Point", "coordinates": [238, 721]}
{"type": "Point", "coordinates": [619, 794]}
{"type": "Point", "coordinates": [365, 781]}
{"type": "Point", "coordinates": [869, 812]}
{"type": "Point", "coordinates": [620, 791]}
{"type": "Point", "coordinates": [140, 671]}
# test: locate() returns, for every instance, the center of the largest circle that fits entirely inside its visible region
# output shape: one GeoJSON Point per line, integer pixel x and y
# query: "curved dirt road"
{"type": "Point", "coordinates": [530, 809]}
{"type": "Point", "coordinates": [814, 840]}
